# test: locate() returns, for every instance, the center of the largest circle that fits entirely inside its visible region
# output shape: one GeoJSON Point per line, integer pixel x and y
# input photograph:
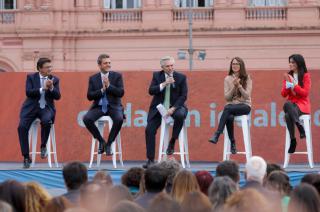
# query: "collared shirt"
{"type": "Point", "coordinates": [42, 82]}
{"type": "Point", "coordinates": [166, 77]}
{"type": "Point", "coordinates": [106, 75]}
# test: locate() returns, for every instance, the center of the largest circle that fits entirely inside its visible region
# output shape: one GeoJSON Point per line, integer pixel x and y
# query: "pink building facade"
{"type": "Point", "coordinates": [136, 33]}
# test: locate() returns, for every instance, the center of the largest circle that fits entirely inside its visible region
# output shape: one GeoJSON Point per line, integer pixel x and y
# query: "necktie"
{"type": "Point", "coordinates": [42, 101]}
{"type": "Point", "coordinates": [167, 97]}
{"type": "Point", "coordinates": [104, 103]}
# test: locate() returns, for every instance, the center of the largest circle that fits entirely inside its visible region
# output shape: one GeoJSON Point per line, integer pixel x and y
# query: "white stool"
{"type": "Point", "coordinates": [306, 120]}
{"type": "Point", "coordinates": [33, 137]}
{"type": "Point", "coordinates": [101, 124]}
{"type": "Point", "coordinates": [183, 143]}
{"type": "Point", "coordinates": [244, 120]}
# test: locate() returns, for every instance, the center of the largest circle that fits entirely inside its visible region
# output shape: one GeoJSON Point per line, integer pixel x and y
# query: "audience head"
{"type": "Point", "coordinates": [312, 179]}
{"type": "Point", "coordinates": [127, 206]}
{"type": "Point", "coordinates": [103, 178]}
{"type": "Point", "coordinates": [304, 197]}
{"type": "Point", "coordinates": [256, 168]}
{"type": "Point", "coordinates": [74, 174]}
{"type": "Point", "coordinates": [204, 179]}
{"type": "Point", "coordinates": [36, 197]}
{"type": "Point", "coordinates": [93, 196]}
{"type": "Point", "coordinates": [183, 183]}
{"type": "Point", "coordinates": [132, 179]}
{"type": "Point", "coordinates": [14, 193]}
{"type": "Point", "coordinates": [220, 189]}
{"type": "Point", "coordinates": [57, 204]}
{"type": "Point", "coordinates": [247, 200]}
{"type": "Point", "coordinates": [228, 168]}
{"type": "Point", "coordinates": [278, 181]}
{"type": "Point", "coordinates": [273, 167]}
{"type": "Point", "coordinates": [196, 201]}
{"type": "Point", "coordinates": [5, 207]}
{"type": "Point", "coordinates": [155, 179]}
{"type": "Point", "coordinates": [117, 193]}
{"type": "Point", "coordinates": [172, 167]}
{"type": "Point", "coordinates": [163, 202]}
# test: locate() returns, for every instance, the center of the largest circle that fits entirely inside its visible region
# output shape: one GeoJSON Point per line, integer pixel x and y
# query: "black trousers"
{"type": "Point", "coordinates": [94, 114]}
{"type": "Point", "coordinates": [227, 117]}
{"type": "Point", "coordinates": [179, 116]}
{"type": "Point", "coordinates": [46, 116]}
{"type": "Point", "coordinates": [292, 113]}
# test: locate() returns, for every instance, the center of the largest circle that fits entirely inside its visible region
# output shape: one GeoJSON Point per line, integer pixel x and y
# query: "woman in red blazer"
{"type": "Point", "coordinates": [296, 88]}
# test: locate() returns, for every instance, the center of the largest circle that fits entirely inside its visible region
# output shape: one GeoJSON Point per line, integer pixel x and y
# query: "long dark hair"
{"type": "Point", "coordinates": [302, 69]}
{"type": "Point", "coordinates": [242, 73]}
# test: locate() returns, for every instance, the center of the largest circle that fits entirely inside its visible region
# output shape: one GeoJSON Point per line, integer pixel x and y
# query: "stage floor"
{"type": "Point", "coordinates": [52, 180]}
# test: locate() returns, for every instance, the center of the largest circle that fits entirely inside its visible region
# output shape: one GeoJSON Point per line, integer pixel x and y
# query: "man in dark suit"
{"type": "Point", "coordinates": [41, 89]}
{"type": "Point", "coordinates": [106, 90]}
{"type": "Point", "coordinates": [169, 88]}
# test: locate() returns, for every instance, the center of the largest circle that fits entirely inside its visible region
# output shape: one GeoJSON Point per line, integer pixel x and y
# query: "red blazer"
{"type": "Point", "coordinates": [301, 96]}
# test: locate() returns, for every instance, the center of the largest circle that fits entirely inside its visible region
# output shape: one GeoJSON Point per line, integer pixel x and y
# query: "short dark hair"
{"type": "Point", "coordinates": [75, 174]}
{"type": "Point", "coordinates": [14, 193]}
{"type": "Point", "coordinates": [132, 177]}
{"type": "Point", "coordinates": [228, 168]}
{"type": "Point", "coordinates": [312, 179]}
{"type": "Point", "coordinates": [42, 61]}
{"type": "Point", "coordinates": [273, 167]}
{"type": "Point", "coordinates": [102, 56]}
{"type": "Point", "coordinates": [155, 179]}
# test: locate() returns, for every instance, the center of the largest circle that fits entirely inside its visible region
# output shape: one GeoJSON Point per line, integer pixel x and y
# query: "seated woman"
{"type": "Point", "coordinates": [296, 88]}
{"type": "Point", "coordinates": [237, 92]}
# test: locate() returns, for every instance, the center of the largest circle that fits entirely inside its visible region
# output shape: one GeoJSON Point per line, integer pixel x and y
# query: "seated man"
{"type": "Point", "coordinates": [168, 87]}
{"type": "Point", "coordinates": [41, 89]}
{"type": "Point", "coordinates": [106, 90]}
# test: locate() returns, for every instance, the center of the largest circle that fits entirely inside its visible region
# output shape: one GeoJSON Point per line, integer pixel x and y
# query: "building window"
{"type": "Point", "coordinates": [7, 4]}
{"type": "Point", "coordinates": [122, 4]}
{"type": "Point", "coordinates": [266, 3]}
{"type": "Point", "coordinates": [194, 3]}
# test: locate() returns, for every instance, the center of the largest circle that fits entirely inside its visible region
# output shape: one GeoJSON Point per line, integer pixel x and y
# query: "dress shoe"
{"type": "Point", "coordinates": [26, 163]}
{"type": "Point", "coordinates": [170, 149]}
{"type": "Point", "coordinates": [233, 148]}
{"type": "Point", "coordinates": [148, 164]}
{"type": "Point", "coordinates": [43, 152]}
{"type": "Point", "coordinates": [108, 149]}
{"type": "Point", "coordinates": [292, 147]}
{"type": "Point", "coordinates": [214, 139]}
{"type": "Point", "coordinates": [101, 148]}
{"type": "Point", "coordinates": [301, 131]}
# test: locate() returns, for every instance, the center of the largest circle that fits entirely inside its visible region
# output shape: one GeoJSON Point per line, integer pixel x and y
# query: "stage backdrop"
{"type": "Point", "coordinates": [205, 102]}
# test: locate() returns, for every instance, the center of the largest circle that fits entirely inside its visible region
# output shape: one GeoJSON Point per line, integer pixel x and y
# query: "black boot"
{"type": "Point", "coordinates": [101, 147]}
{"type": "Point", "coordinates": [170, 149]}
{"type": "Point", "coordinates": [293, 144]}
{"type": "Point", "coordinates": [301, 130]}
{"type": "Point", "coordinates": [214, 139]}
{"type": "Point", "coordinates": [233, 148]}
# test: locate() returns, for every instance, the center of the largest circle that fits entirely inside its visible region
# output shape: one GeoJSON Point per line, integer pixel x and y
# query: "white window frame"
{"type": "Point", "coordinates": [111, 4]}
{"type": "Point", "coordinates": [2, 5]}
{"type": "Point", "coordinates": [268, 3]}
{"type": "Point", "coordinates": [195, 3]}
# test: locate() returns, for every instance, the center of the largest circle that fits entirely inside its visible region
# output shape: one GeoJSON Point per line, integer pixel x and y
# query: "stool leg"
{"type": "Point", "coordinates": [245, 132]}
{"type": "Point", "coordinates": [34, 143]}
{"type": "Point", "coordinates": [226, 146]}
{"type": "Point", "coordinates": [186, 149]}
{"type": "Point", "coordinates": [307, 127]}
{"type": "Point", "coordinates": [114, 155]}
{"type": "Point", "coordinates": [286, 154]}
{"type": "Point", "coordinates": [49, 151]}
{"type": "Point", "coordinates": [54, 145]}
{"type": "Point", "coordinates": [101, 130]}
{"type": "Point", "coordinates": [93, 144]}
{"type": "Point", "coordinates": [249, 138]}
{"type": "Point", "coordinates": [162, 135]}
{"type": "Point", "coordinates": [181, 146]}
{"type": "Point", "coordinates": [119, 148]}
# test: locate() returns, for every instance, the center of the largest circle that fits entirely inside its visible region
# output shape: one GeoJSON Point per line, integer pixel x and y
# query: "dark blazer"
{"type": "Point", "coordinates": [114, 92]}
{"type": "Point", "coordinates": [33, 94]}
{"type": "Point", "coordinates": [178, 92]}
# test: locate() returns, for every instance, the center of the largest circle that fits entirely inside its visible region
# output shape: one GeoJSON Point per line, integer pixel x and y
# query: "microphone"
{"type": "Point", "coordinates": [50, 77]}
{"type": "Point", "coordinates": [173, 84]}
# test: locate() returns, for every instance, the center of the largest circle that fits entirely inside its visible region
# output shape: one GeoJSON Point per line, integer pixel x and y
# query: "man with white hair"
{"type": "Point", "coordinates": [255, 170]}
{"type": "Point", "coordinates": [168, 87]}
